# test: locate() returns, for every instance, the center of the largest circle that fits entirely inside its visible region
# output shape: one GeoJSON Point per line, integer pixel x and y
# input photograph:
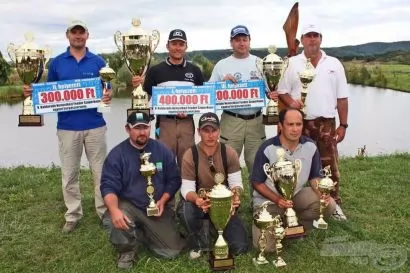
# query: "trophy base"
{"type": "Point", "coordinates": [258, 262]}
{"type": "Point", "coordinates": [270, 120]}
{"type": "Point", "coordinates": [31, 120]}
{"type": "Point", "coordinates": [320, 224]}
{"type": "Point", "coordinates": [295, 232]}
{"type": "Point", "coordinates": [279, 262]}
{"type": "Point", "coordinates": [152, 211]}
{"type": "Point", "coordinates": [221, 264]}
{"type": "Point", "coordinates": [104, 109]}
{"type": "Point", "coordinates": [144, 110]}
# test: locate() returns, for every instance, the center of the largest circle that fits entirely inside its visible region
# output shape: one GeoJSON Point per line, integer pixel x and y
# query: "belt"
{"type": "Point", "coordinates": [245, 117]}
{"type": "Point", "coordinates": [176, 117]}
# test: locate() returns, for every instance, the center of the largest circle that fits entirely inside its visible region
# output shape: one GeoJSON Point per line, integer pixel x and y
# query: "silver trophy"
{"type": "Point", "coordinates": [306, 77]}
{"type": "Point", "coordinates": [107, 74]}
{"type": "Point", "coordinates": [137, 47]}
{"type": "Point", "coordinates": [284, 176]}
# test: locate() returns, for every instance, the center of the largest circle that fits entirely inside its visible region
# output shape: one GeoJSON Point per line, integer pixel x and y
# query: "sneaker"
{"type": "Point", "coordinates": [69, 226]}
{"type": "Point", "coordinates": [126, 260]}
{"type": "Point", "coordinates": [338, 214]}
{"type": "Point", "coordinates": [195, 254]}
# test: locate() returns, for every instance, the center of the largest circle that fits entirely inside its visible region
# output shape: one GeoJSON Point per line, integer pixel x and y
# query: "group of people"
{"type": "Point", "coordinates": [185, 166]}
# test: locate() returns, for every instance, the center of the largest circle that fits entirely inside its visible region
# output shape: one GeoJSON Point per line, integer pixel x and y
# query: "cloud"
{"type": "Point", "coordinates": [207, 23]}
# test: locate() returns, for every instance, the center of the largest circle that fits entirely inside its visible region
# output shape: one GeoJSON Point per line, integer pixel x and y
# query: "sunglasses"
{"type": "Point", "coordinates": [211, 164]}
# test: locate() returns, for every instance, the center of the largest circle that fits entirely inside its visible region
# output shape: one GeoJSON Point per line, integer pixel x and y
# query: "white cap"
{"type": "Point", "coordinates": [311, 28]}
{"type": "Point", "coordinates": [75, 23]}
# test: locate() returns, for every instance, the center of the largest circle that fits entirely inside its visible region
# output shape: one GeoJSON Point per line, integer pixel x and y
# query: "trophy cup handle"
{"type": "Point", "coordinates": [298, 166]}
{"type": "Point", "coordinates": [154, 40]}
{"type": "Point", "coordinates": [11, 51]}
{"type": "Point", "coordinates": [118, 40]}
{"type": "Point", "coordinates": [268, 171]}
{"type": "Point", "coordinates": [47, 54]}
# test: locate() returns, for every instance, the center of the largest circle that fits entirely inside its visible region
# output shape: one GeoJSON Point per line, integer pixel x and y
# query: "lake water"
{"type": "Point", "coordinates": [377, 119]}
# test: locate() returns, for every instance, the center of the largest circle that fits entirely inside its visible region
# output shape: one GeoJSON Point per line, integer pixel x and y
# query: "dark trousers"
{"type": "Point", "coordinates": [159, 234]}
{"type": "Point", "coordinates": [201, 231]}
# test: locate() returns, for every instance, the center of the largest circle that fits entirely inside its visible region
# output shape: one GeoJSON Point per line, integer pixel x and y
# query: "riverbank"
{"type": "Point", "coordinates": [375, 200]}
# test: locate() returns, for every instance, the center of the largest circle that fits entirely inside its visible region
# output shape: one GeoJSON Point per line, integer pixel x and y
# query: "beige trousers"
{"type": "Point", "coordinates": [306, 205]}
{"type": "Point", "coordinates": [71, 145]}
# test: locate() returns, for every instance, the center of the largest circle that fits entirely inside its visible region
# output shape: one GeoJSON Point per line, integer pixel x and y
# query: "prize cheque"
{"type": "Point", "coordinates": [69, 95]}
{"type": "Point", "coordinates": [246, 94]}
{"type": "Point", "coordinates": [167, 100]}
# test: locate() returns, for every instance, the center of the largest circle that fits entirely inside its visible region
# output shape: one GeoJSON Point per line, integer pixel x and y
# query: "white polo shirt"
{"type": "Point", "coordinates": [328, 85]}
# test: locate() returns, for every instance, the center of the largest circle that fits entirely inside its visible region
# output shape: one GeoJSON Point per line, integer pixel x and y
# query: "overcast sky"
{"type": "Point", "coordinates": [206, 22]}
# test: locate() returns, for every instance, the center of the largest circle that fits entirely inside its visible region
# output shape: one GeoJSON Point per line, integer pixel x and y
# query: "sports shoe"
{"type": "Point", "coordinates": [195, 254]}
{"type": "Point", "coordinates": [126, 260]}
{"type": "Point", "coordinates": [69, 226]}
{"type": "Point", "coordinates": [338, 214]}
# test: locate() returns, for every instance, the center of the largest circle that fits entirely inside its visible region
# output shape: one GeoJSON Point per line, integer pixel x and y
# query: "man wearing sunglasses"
{"type": "Point", "coordinates": [199, 165]}
{"type": "Point", "coordinates": [327, 97]}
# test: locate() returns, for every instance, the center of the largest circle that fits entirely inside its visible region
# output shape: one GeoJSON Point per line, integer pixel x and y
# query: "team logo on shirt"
{"type": "Point", "coordinates": [159, 166]}
{"type": "Point", "coordinates": [254, 75]}
{"type": "Point", "coordinates": [237, 76]}
{"type": "Point", "coordinates": [189, 75]}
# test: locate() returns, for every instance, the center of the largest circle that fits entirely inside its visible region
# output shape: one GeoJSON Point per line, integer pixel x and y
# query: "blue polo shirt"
{"type": "Point", "coordinates": [66, 67]}
{"type": "Point", "coordinates": [306, 151]}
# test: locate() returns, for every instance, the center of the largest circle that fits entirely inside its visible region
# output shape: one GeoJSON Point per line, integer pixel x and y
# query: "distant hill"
{"type": "Point", "coordinates": [368, 50]}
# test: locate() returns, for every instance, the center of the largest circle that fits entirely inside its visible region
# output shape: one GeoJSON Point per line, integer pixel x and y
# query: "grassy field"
{"type": "Point", "coordinates": [397, 75]}
{"type": "Point", "coordinates": [10, 92]}
{"type": "Point", "coordinates": [375, 239]}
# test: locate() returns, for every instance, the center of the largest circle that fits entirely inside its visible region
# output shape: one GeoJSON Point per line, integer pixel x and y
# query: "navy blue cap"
{"type": "Point", "coordinates": [138, 118]}
{"type": "Point", "coordinates": [239, 30]}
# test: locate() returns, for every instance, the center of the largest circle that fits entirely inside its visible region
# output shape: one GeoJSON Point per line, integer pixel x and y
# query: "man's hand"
{"type": "Point", "coordinates": [284, 204]}
{"type": "Point", "coordinates": [296, 104]}
{"type": "Point", "coordinates": [340, 134]}
{"type": "Point", "coordinates": [27, 90]}
{"type": "Point", "coordinates": [273, 95]}
{"type": "Point", "coordinates": [326, 198]}
{"type": "Point", "coordinates": [119, 219]}
{"type": "Point", "coordinates": [137, 80]}
{"type": "Point", "coordinates": [160, 206]}
{"type": "Point", "coordinates": [203, 204]}
{"type": "Point", "coordinates": [229, 77]}
{"type": "Point", "coordinates": [107, 95]}
{"type": "Point", "coordinates": [181, 115]}
{"type": "Point", "coordinates": [236, 202]}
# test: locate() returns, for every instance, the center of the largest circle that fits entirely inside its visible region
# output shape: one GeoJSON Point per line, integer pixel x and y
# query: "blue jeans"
{"type": "Point", "coordinates": [200, 230]}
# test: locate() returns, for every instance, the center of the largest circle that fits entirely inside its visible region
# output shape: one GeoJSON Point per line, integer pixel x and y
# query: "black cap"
{"type": "Point", "coordinates": [177, 34]}
{"type": "Point", "coordinates": [239, 30]}
{"type": "Point", "coordinates": [210, 119]}
{"type": "Point", "coordinates": [138, 118]}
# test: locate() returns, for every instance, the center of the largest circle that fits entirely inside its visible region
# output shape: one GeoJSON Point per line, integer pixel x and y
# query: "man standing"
{"type": "Point", "coordinates": [78, 129]}
{"type": "Point", "coordinates": [177, 132]}
{"type": "Point", "coordinates": [199, 166]}
{"type": "Point", "coordinates": [306, 199]}
{"type": "Point", "coordinates": [124, 189]}
{"type": "Point", "coordinates": [242, 127]}
{"type": "Point", "coordinates": [327, 97]}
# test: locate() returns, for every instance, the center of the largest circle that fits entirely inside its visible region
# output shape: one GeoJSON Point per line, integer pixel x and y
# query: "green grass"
{"type": "Point", "coordinates": [374, 190]}
{"type": "Point", "coordinates": [8, 92]}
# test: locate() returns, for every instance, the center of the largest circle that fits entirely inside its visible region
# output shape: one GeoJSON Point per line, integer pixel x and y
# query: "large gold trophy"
{"type": "Point", "coordinates": [137, 47]}
{"type": "Point", "coordinates": [284, 176]}
{"type": "Point", "coordinates": [107, 74]}
{"type": "Point", "coordinates": [30, 61]}
{"type": "Point", "coordinates": [306, 77]}
{"type": "Point", "coordinates": [220, 212]}
{"type": "Point", "coordinates": [148, 169]}
{"type": "Point", "coordinates": [325, 187]}
{"type": "Point", "coordinates": [272, 69]}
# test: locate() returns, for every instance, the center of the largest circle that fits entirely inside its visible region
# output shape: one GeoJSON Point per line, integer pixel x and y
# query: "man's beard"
{"type": "Point", "coordinates": [140, 141]}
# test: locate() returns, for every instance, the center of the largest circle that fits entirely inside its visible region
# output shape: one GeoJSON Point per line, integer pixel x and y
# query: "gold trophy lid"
{"type": "Point", "coordinates": [280, 158]}
{"type": "Point", "coordinates": [220, 190]}
{"type": "Point", "coordinates": [309, 71]}
{"type": "Point", "coordinates": [136, 29]}
{"type": "Point", "coordinates": [326, 183]}
{"type": "Point", "coordinates": [265, 216]}
{"type": "Point", "coordinates": [272, 58]}
{"type": "Point", "coordinates": [107, 73]}
{"type": "Point", "coordinates": [29, 45]}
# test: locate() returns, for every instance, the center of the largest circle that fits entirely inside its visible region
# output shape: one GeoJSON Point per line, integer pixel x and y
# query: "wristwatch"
{"type": "Point", "coordinates": [344, 125]}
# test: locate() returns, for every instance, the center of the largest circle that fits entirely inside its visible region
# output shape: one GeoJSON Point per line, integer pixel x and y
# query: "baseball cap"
{"type": "Point", "coordinates": [311, 28]}
{"type": "Point", "coordinates": [75, 23]}
{"type": "Point", "coordinates": [210, 119]}
{"type": "Point", "coordinates": [240, 29]}
{"type": "Point", "coordinates": [177, 34]}
{"type": "Point", "coordinates": [138, 118]}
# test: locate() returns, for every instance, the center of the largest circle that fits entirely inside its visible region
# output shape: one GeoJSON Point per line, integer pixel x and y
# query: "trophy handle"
{"type": "Point", "coordinates": [298, 167]}
{"type": "Point", "coordinates": [11, 51]}
{"type": "Point", "coordinates": [47, 54]}
{"type": "Point", "coordinates": [118, 40]}
{"type": "Point", "coordinates": [269, 171]}
{"type": "Point", "coordinates": [154, 40]}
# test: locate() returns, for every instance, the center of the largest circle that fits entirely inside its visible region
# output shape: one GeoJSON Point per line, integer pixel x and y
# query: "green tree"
{"type": "Point", "coordinates": [5, 69]}
{"type": "Point", "coordinates": [364, 75]}
{"type": "Point", "coordinates": [204, 64]}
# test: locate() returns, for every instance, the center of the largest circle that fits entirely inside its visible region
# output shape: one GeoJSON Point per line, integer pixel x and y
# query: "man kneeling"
{"type": "Point", "coordinates": [124, 189]}
{"type": "Point", "coordinates": [305, 200]}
